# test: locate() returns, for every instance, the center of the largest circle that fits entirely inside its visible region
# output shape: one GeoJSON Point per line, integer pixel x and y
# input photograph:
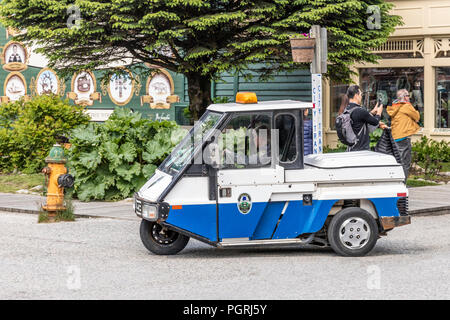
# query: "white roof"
{"type": "Point", "coordinates": [350, 159]}
{"type": "Point", "coordinates": [260, 106]}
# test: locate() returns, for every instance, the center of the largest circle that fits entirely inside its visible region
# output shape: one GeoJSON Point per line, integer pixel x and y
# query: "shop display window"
{"type": "Point", "coordinates": [442, 97]}
{"type": "Point", "coordinates": [383, 83]}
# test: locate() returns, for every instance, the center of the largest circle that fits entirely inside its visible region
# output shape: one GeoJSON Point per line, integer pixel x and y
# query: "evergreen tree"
{"type": "Point", "coordinates": [198, 38]}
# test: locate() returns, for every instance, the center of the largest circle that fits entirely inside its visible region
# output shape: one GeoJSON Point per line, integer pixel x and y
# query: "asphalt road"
{"type": "Point", "coordinates": [104, 259]}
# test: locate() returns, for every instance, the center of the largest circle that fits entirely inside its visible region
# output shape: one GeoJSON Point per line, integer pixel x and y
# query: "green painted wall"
{"type": "Point", "coordinates": [294, 85]}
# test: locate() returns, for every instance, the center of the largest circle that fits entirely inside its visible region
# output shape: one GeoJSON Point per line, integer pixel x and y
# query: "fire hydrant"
{"type": "Point", "coordinates": [57, 180]}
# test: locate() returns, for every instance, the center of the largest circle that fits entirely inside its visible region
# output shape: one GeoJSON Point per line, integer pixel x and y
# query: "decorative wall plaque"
{"type": "Point", "coordinates": [14, 57]}
{"type": "Point", "coordinates": [84, 87]}
{"type": "Point", "coordinates": [14, 87]}
{"type": "Point", "coordinates": [160, 90]}
{"type": "Point", "coordinates": [47, 82]}
{"type": "Point", "coordinates": [121, 87]}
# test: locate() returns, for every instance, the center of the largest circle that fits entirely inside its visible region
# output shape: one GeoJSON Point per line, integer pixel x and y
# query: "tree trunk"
{"type": "Point", "coordinates": [199, 91]}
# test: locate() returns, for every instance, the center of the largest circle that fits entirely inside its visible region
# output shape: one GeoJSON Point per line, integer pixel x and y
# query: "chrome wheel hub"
{"type": "Point", "coordinates": [354, 233]}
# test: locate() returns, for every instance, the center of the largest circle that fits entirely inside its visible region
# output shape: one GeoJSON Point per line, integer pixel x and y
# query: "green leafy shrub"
{"type": "Point", "coordinates": [221, 99]}
{"type": "Point", "coordinates": [187, 113]}
{"type": "Point", "coordinates": [28, 129]}
{"type": "Point", "coordinates": [339, 148]}
{"type": "Point", "coordinates": [375, 137]}
{"type": "Point", "coordinates": [112, 160]}
{"type": "Point", "coordinates": [429, 155]}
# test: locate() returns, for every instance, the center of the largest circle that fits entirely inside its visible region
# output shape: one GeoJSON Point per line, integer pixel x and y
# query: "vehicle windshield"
{"type": "Point", "coordinates": [188, 147]}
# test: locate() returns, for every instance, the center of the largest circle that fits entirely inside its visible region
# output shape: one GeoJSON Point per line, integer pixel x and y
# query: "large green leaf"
{"type": "Point", "coordinates": [90, 160]}
{"type": "Point", "coordinates": [85, 135]}
{"type": "Point", "coordinates": [111, 152]}
{"type": "Point", "coordinates": [91, 190]}
{"type": "Point", "coordinates": [128, 151]}
{"type": "Point", "coordinates": [128, 172]}
{"type": "Point", "coordinates": [148, 170]}
{"type": "Point", "coordinates": [126, 188]}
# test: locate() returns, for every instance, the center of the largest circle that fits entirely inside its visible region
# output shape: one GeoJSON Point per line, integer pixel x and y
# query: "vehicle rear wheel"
{"type": "Point", "coordinates": [160, 240]}
{"type": "Point", "coordinates": [352, 232]}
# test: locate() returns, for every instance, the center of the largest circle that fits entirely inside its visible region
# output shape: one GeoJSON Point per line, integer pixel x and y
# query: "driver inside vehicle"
{"type": "Point", "coordinates": [247, 147]}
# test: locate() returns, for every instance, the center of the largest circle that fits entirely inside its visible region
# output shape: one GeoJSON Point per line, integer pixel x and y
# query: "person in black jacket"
{"type": "Point", "coordinates": [361, 118]}
{"type": "Point", "coordinates": [307, 133]}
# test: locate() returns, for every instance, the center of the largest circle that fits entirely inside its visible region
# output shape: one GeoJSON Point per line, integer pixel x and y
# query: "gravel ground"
{"type": "Point", "coordinates": [104, 259]}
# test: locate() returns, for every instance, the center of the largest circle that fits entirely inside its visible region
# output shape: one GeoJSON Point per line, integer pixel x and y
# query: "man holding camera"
{"type": "Point", "coordinates": [404, 120]}
{"type": "Point", "coordinates": [361, 119]}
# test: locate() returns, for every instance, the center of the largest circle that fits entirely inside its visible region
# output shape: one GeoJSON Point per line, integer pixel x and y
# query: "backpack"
{"type": "Point", "coordinates": [344, 128]}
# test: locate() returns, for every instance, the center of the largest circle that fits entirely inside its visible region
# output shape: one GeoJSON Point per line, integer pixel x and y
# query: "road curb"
{"type": "Point", "coordinates": [437, 211]}
{"type": "Point", "coordinates": [77, 215]}
{"type": "Point", "coordinates": [18, 210]}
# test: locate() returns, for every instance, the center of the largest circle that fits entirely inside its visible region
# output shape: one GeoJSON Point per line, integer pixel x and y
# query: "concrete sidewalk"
{"type": "Point", "coordinates": [422, 201]}
{"type": "Point", "coordinates": [26, 203]}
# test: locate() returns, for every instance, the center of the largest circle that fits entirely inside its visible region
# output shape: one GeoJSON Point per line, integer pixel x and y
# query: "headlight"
{"type": "Point", "coordinates": [149, 211]}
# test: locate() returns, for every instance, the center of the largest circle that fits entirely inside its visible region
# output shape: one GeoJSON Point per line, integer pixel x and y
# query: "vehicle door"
{"type": "Point", "coordinates": [246, 173]}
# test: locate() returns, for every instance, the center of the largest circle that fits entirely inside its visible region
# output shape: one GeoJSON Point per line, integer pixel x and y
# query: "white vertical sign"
{"type": "Point", "coordinates": [316, 79]}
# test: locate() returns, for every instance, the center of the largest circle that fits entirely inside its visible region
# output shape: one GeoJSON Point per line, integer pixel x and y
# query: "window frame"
{"type": "Point", "coordinates": [437, 119]}
{"type": "Point", "coordinates": [230, 118]}
{"type": "Point", "coordinates": [296, 137]}
{"type": "Point", "coordinates": [298, 117]}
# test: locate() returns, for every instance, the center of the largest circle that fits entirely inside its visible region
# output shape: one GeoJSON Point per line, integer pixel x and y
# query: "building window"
{"type": "Point", "coordinates": [442, 97]}
{"type": "Point", "coordinates": [336, 93]}
{"type": "Point", "coordinates": [382, 84]}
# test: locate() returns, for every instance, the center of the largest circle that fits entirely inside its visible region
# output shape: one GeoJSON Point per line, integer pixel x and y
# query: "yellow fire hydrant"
{"type": "Point", "coordinates": [57, 180]}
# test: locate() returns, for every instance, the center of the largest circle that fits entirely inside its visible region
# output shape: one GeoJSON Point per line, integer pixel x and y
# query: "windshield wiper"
{"type": "Point", "coordinates": [155, 182]}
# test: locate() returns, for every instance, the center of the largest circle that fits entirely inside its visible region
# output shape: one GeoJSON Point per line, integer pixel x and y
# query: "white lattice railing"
{"type": "Point", "coordinates": [442, 47]}
{"type": "Point", "coordinates": [401, 46]}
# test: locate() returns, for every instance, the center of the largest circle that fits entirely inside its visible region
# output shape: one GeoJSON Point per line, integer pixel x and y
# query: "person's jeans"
{"type": "Point", "coordinates": [404, 147]}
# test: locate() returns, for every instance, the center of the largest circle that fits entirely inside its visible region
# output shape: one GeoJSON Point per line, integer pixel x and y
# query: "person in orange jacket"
{"type": "Point", "coordinates": [404, 120]}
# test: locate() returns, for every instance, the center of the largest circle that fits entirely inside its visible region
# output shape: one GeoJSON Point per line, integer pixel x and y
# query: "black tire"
{"type": "Point", "coordinates": [352, 232]}
{"type": "Point", "coordinates": [161, 242]}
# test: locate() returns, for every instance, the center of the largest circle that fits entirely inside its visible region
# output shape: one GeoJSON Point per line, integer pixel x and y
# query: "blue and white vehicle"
{"type": "Point", "coordinates": [204, 190]}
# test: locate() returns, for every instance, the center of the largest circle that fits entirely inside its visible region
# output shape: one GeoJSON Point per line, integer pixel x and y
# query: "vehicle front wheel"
{"type": "Point", "coordinates": [160, 240]}
{"type": "Point", "coordinates": [352, 232]}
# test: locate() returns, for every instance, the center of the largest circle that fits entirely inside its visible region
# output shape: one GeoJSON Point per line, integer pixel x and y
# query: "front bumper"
{"type": "Point", "coordinates": [389, 223]}
{"type": "Point", "coordinates": [162, 209]}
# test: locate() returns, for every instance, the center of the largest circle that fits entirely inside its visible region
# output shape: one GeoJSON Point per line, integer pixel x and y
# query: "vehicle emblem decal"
{"type": "Point", "coordinates": [244, 203]}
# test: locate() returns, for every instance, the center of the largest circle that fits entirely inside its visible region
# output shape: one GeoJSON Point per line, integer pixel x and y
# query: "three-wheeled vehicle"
{"type": "Point", "coordinates": [210, 188]}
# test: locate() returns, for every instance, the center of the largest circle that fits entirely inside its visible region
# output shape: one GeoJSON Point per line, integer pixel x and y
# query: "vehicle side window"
{"type": "Point", "coordinates": [287, 141]}
{"type": "Point", "coordinates": [245, 142]}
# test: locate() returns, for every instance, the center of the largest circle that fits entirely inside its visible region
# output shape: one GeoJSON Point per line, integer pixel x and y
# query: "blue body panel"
{"type": "Point", "coordinates": [199, 219]}
{"type": "Point", "coordinates": [386, 207]}
{"type": "Point", "coordinates": [299, 219]}
{"type": "Point", "coordinates": [261, 221]}
{"type": "Point", "coordinates": [268, 221]}
{"type": "Point", "coordinates": [233, 224]}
